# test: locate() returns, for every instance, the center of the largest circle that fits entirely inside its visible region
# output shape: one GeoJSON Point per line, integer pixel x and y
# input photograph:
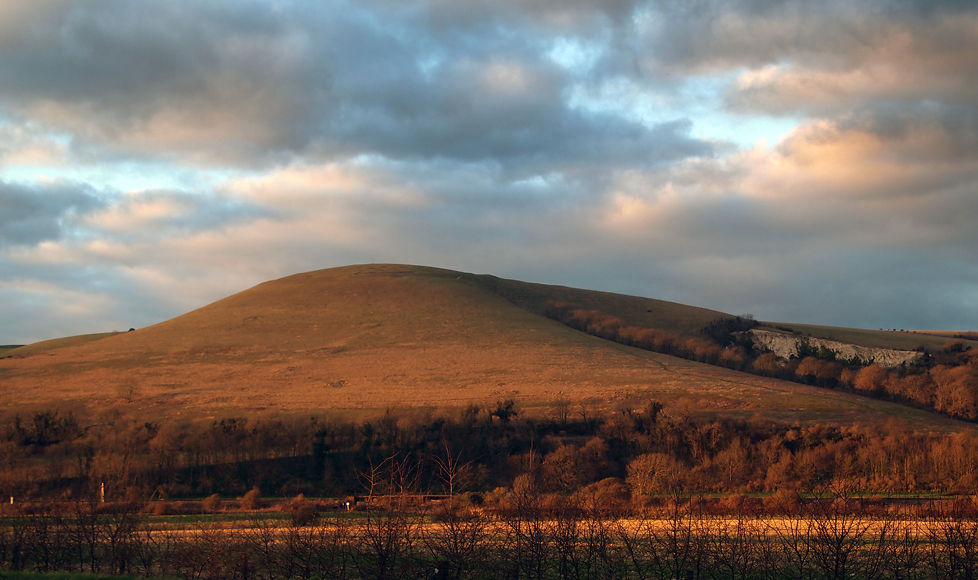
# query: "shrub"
{"type": "Point", "coordinates": [213, 503]}
{"type": "Point", "coordinates": [303, 511]}
{"type": "Point", "coordinates": [252, 500]}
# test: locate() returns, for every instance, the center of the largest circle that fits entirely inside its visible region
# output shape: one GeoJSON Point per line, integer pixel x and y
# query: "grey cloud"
{"type": "Point", "coordinates": [184, 213]}
{"type": "Point", "coordinates": [877, 60]}
{"type": "Point", "coordinates": [911, 166]}
{"type": "Point", "coordinates": [753, 33]}
{"type": "Point", "coordinates": [33, 214]}
{"type": "Point", "coordinates": [952, 129]}
{"type": "Point", "coordinates": [255, 85]}
{"type": "Point", "coordinates": [44, 301]}
{"type": "Point", "coordinates": [573, 16]}
{"type": "Point", "coordinates": [37, 213]}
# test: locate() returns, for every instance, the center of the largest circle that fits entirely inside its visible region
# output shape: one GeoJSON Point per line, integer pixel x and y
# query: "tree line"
{"type": "Point", "coordinates": [943, 381]}
{"type": "Point", "coordinates": [642, 450]}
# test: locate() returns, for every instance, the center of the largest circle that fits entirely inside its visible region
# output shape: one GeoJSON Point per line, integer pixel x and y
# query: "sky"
{"type": "Point", "coordinates": [799, 161]}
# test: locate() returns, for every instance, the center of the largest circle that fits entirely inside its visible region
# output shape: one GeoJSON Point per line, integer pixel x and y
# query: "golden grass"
{"type": "Point", "coordinates": [366, 338]}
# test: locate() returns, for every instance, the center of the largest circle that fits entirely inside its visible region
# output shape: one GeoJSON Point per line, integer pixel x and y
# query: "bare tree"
{"type": "Point", "coordinates": [734, 545]}
{"type": "Point", "coordinates": [668, 547]}
{"type": "Point", "coordinates": [953, 542]}
{"type": "Point", "coordinates": [317, 551]}
{"type": "Point", "coordinates": [524, 549]}
{"type": "Point", "coordinates": [128, 390]}
{"type": "Point", "coordinates": [385, 545]}
{"type": "Point", "coordinates": [459, 536]}
{"type": "Point", "coordinates": [845, 543]}
{"type": "Point", "coordinates": [791, 554]}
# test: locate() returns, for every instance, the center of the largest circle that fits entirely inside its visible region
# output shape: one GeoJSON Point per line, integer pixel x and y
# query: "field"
{"type": "Point", "coordinates": [893, 339]}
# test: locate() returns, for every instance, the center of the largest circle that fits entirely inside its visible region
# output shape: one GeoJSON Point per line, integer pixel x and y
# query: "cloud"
{"type": "Point", "coordinates": [164, 155]}
{"type": "Point", "coordinates": [152, 215]}
{"type": "Point", "coordinates": [246, 84]}
{"type": "Point", "coordinates": [30, 215]}
{"type": "Point", "coordinates": [23, 145]}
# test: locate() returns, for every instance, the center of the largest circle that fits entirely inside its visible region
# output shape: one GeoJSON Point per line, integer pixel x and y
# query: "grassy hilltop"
{"type": "Point", "coordinates": [360, 339]}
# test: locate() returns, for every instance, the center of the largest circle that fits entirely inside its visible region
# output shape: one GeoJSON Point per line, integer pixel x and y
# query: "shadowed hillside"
{"type": "Point", "coordinates": [643, 312]}
{"type": "Point", "coordinates": [370, 337]}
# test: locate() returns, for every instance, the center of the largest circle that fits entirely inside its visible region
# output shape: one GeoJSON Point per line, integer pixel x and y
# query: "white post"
{"type": "Point", "coordinates": [102, 493]}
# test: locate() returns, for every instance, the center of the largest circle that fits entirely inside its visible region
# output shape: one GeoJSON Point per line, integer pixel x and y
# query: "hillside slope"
{"type": "Point", "coordinates": [364, 338]}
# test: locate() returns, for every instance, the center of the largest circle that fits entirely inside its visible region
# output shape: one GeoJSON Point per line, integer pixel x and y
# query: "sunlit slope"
{"type": "Point", "coordinates": [372, 337]}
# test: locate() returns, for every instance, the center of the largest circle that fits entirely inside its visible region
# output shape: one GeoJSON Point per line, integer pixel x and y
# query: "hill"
{"type": "Point", "coordinates": [361, 339]}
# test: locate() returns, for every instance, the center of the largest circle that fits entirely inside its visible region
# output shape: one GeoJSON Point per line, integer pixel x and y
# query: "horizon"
{"type": "Point", "coordinates": [745, 314]}
{"type": "Point", "coordinates": [804, 163]}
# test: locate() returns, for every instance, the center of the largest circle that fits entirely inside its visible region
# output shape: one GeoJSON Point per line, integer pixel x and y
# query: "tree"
{"type": "Point", "coordinates": [767, 364]}
{"type": "Point", "coordinates": [653, 473]}
{"type": "Point", "coordinates": [128, 390]}
{"type": "Point", "coordinates": [505, 410]}
{"type": "Point", "coordinates": [385, 546]}
{"type": "Point", "coordinates": [871, 378]}
{"type": "Point", "coordinates": [457, 536]}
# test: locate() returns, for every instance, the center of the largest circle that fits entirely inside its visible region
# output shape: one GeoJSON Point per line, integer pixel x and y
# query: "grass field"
{"type": "Point", "coordinates": [361, 339]}
{"type": "Point", "coordinates": [893, 339]}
